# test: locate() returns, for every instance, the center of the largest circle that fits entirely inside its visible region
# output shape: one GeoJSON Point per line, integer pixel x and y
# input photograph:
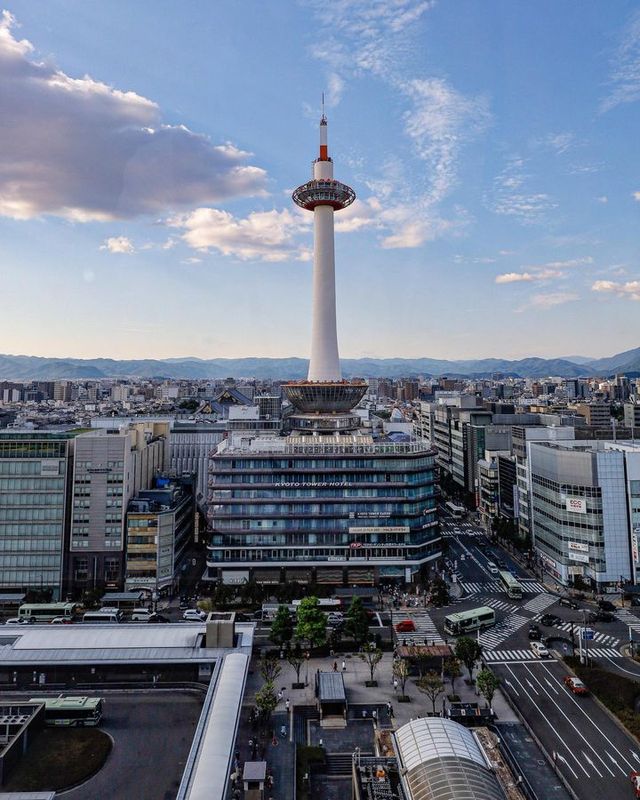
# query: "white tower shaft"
{"type": "Point", "coordinates": [324, 364]}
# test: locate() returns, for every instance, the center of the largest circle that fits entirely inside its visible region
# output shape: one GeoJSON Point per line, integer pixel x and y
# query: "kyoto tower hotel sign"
{"type": "Point", "coordinates": [324, 391]}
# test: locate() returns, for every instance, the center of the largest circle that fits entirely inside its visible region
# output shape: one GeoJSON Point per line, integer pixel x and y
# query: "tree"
{"type": "Point", "coordinates": [487, 683]}
{"type": "Point", "coordinates": [439, 593]}
{"type": "Point", "coordinates": [452, 671]}
{"type": "Point", "coordinates": [468, 651]}
{"type": "Point", "coordinates": [282, 627]}
{"type": "Point", "coordinates": [401, 673]}
{"type": "Point", "coordinates": [269, 669]}
{"type": "Point", "coordinates": [372, 656]}
{"type": "Point", "coordinates": [251, 593]}
{"type": "Point", "coordinates": [295, 659]}
{"type": "Point", "coordinates": [357, 624]}
{"type": "Point", "coordinates": [432, 686]}
{"type": "Point", "coordinates": [312, 623]}
{"type": "Point", "coordinates": [222, 595]}
{"type": "Point", "coordinates": [266, 702]}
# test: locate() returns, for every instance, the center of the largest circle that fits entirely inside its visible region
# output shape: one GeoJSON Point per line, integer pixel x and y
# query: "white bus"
{"type": "Point", "coordinates": [513, 588]}
{"type": "Point", "coordinates": [465, 621]}
{"type": "Point", "coordinates": [457, 512]}
{"type": "Point", "coordinates": [45, 612]}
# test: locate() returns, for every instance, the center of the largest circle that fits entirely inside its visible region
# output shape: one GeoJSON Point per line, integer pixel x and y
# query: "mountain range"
{"type": "Point", "coordinates": [24, 368]}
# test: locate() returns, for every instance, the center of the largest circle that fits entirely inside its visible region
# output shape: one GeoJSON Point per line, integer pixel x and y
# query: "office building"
{"type": "Point", "coordinates": [585, 506]}
{"type": "Point", "coordinates": [109, 467]}
{"type": "Point", "coordinates": [34, 508]}
{"type": "Point", "coordinates": [160, 525]}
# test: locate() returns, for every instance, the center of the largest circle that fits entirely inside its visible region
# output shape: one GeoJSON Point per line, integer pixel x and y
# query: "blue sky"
{"type": "Point", "coordinates": [148, 151]}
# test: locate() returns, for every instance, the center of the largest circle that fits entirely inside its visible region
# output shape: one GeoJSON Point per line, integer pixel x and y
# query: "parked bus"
{"type": "Point", "coordinates": [324, 603]}
{"type": "Point", "coordinates": [465, 621]}
{"type": "Point", "coordinates": [45, 612]}
{"type": "Point", "coordinates": [513, 588]}
{"type": "Point", "coordinates": [71, 711]}
{"type": "Point", "coordinates": [112, 615]}
{"type": "Point", "coordinates": [457, 512]}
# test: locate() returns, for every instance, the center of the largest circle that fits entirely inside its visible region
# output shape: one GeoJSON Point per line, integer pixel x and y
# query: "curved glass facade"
{"type": "Point", "coordinates": [368, 510]}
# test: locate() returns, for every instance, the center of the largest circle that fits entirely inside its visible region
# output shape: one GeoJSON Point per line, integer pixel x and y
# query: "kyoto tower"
{"type": "Point", "coordinates": [324, 399]}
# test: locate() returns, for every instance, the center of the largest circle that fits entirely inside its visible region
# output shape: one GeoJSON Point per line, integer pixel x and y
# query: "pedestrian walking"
{"type": "Point", "coordinates": [280, 695]}
{"type": "Point", "coordinates": [287, 704]}
{"type": "Point", "coordinates": [389, 707]}
{"type": "Point", "coordinates": [335, 666]}
{"type": "Point", "coordinates": [395, 684]}
{"type": "Point", "coordinates": [344, 665]}
{"type": "Point", "coordinates": [374, 716]}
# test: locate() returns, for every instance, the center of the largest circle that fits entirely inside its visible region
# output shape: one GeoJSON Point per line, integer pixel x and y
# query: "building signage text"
{"type": "Point", "coordinates": [579, 546]}
{"type": "Point", "coordinates": [581, 557]}
{"type": "Point", "coordinates": [313, 485]}
{"type": "Point", "coordinates": [576, 505]}
{"type": "Point", "coordinates": [388, 529]}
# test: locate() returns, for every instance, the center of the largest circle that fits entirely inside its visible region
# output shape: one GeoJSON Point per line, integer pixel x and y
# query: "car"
{"type": "Point", "coordinates": [61, 621]}
{"type": "Point", "coordinates": [606, 605]}
{"type": "Point", "coordinates": [575, 685]}
{"type": "Point", "coordinates": [601, 616]}
{"type": "Point", "coordinates": [539, 649]}
{"type": "Point", "coordinates": [406, 626]}
{"type": "Point", "coordinates": [493, 569]}
{"type": "Point", "coordinates": [535, 633]}
{"type": "Point", "coordinates": [184, 602]}
{"type": "Point", "coordinates": [155, 618]}
{"type": "Point", "coordinates": [550, 619]}
{"type": "Point", "coordinates": [568, 602]}
{"type": "Point", "coordinates": [194, 615]}
{"type": "Point", "coordinates": [17, 621]}
{"type": "Point", "coordinates": [502, 564]}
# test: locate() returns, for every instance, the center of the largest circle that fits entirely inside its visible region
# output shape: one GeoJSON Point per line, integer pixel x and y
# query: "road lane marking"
{"type": "Point", "coordinates": [604, 736]}
{"type": "Point", "coordinates": [513, 688]}
{"type": "Point", "coordinates": [564, 760]}
{"type": "Point", "coordinates": [591, 762]}
{"type": "Point", "coordinates": [551, 686]}
{"type": "Point", "coordinates": [569, 750]}
{"type": "Point", "coordinates": [589, 745]}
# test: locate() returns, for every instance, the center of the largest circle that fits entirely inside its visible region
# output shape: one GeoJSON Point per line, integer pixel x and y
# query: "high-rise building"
{"type": "Point", "coordinates": [329, 501]}
{"type": "Point", "coordinates": [34, 507]}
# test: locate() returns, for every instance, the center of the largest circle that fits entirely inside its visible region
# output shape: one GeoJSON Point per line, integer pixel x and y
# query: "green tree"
{"type": "Point", "coordinates": [357, 624]}
{"type": "Point", "coordinates": [251, 593]}
{"type": "Point", "coordinates": [269, 668]}
{"type": "Point", "coordinates": [453, 671]}
{"type": "Point", "coordinates": [439, 593]}
{"type": "Point", "coordinates": [222, 595]}
{"type": "Point", "coordinates": [295, 659]}
{"type": "Point", "coordinates": [372, 656]}
{"type": "Point", "coordinates": [312, 623]}
{"type": "Point", "coordinates": [266, 702]}
{"type": "Point", "coordinates": [189, 405]}
{"type": "Point", "coordinates": [420, 657]}
{"type": "Point", "coordinates": [401, 673]}
{"type": "Point", "coordinates": [487, 683]}
{"type": "Point", "coordinates": [282, 627]}
{"type": "Point", "coordinates": [468, 651]}
{"type": "Point", "coordinates": [432, 686]}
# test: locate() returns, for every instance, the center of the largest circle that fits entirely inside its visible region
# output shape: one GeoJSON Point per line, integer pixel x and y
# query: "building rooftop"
{"type": "Point", "coordinates": [106, 644]}
{"type": "Point", "coordinates": [443, 760]}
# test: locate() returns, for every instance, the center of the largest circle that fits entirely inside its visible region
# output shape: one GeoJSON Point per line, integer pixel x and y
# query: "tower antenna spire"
{"type": "Point", "coordinates": [323, 114]}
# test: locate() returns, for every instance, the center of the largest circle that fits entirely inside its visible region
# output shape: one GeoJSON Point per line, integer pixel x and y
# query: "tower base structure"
{"type": "Point", "coordinates": [324, 406]}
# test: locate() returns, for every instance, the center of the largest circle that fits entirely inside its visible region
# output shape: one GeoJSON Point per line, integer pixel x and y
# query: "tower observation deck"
{"type": "Point", "coordinates": [324, 393]}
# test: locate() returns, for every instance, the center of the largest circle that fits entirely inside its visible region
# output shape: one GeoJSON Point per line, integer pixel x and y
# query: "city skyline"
{"type": "Point", "coordinates": [491, 148]}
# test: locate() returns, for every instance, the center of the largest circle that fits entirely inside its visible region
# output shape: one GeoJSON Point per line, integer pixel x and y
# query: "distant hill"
{"type": "Point", "coordinates": [23, 368]}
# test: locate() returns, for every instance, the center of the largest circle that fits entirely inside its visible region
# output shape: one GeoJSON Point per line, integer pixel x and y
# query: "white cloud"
{"type": "Point", "coordinates": [83, 150]}
{"type": "Point", "coordinates": [604, 199]}
{"type": "Point", "coordinates": [260, 236]}
{"type": "Point", "coordinates": [629, 289]}
{"type": "Point", "coordinates": [543, 272]}
{"type": "Point", "coordinates": [118, 244]}
{"type": "Point", "coordinates": [636, 196]}
{"type": "Point", "coordinates": [549, 300]}
{"type": "Point", "coordinates": [625, 75]}
{"type": "Point", "coordinates": [560, 142]}
{"type": "Point", "coordinates": [510, 195]}
{"type": "Point", "coordinates": [515, 277]}
{"type": "Point", "coordinates": [375, 38]}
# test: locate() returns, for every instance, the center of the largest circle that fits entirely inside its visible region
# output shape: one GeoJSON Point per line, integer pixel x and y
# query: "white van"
{"type": "Point", "coordinates": [141, 615]}
{"type": "Point", "coordinates": [493, 569]}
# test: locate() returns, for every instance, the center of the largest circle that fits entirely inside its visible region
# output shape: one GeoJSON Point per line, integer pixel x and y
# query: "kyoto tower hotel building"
{"type": "Point", "coordinates": [326, 499]}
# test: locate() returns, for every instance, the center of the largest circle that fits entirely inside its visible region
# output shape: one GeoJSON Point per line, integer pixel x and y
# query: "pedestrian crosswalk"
{"type": "Point", "coordinates": [502, 605]}
{"type": "Point", "coordinates": [506, 656]}
{"type": "Point", "coordinates": [540, 603]}
{"type": "Point", "coordinates": [602, 652]}
{"type": "Point", "coordinates": [494, 636]}
{"type": "Point", "coordinates": [475, 587]}
{"type": "Point", "coordinates": [604, 638]}
{"type": "Point", "coordinates": [629, 619]}
{"type": "Point", "coordinates": [425, 632]}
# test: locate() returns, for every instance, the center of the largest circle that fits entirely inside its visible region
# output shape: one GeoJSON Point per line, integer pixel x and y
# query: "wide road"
{"type": "Point", "coordinates": [592, 753]}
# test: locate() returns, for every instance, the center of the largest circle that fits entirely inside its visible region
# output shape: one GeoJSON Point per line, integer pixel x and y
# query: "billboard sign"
{"type": "Point", "coordinates": [388, 529]}
{"type": "Point", "coordinates": [582, 558]}
{"type": "Point", "coordinates": [579, 547]}
{"type": "Point", "coordinates": [577, 505]}
{"type": "Point", "coordinates": [634, 545]}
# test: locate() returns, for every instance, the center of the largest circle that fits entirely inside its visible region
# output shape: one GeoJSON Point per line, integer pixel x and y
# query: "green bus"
{"type": "Point", "coordinates": [513, 588]}
{"type": "Point", "coordinates": [71, 711]}
{"type": "Point", "coordinates": [45, 612]}
{"type": "Point", "coordinates": [465, 621]}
